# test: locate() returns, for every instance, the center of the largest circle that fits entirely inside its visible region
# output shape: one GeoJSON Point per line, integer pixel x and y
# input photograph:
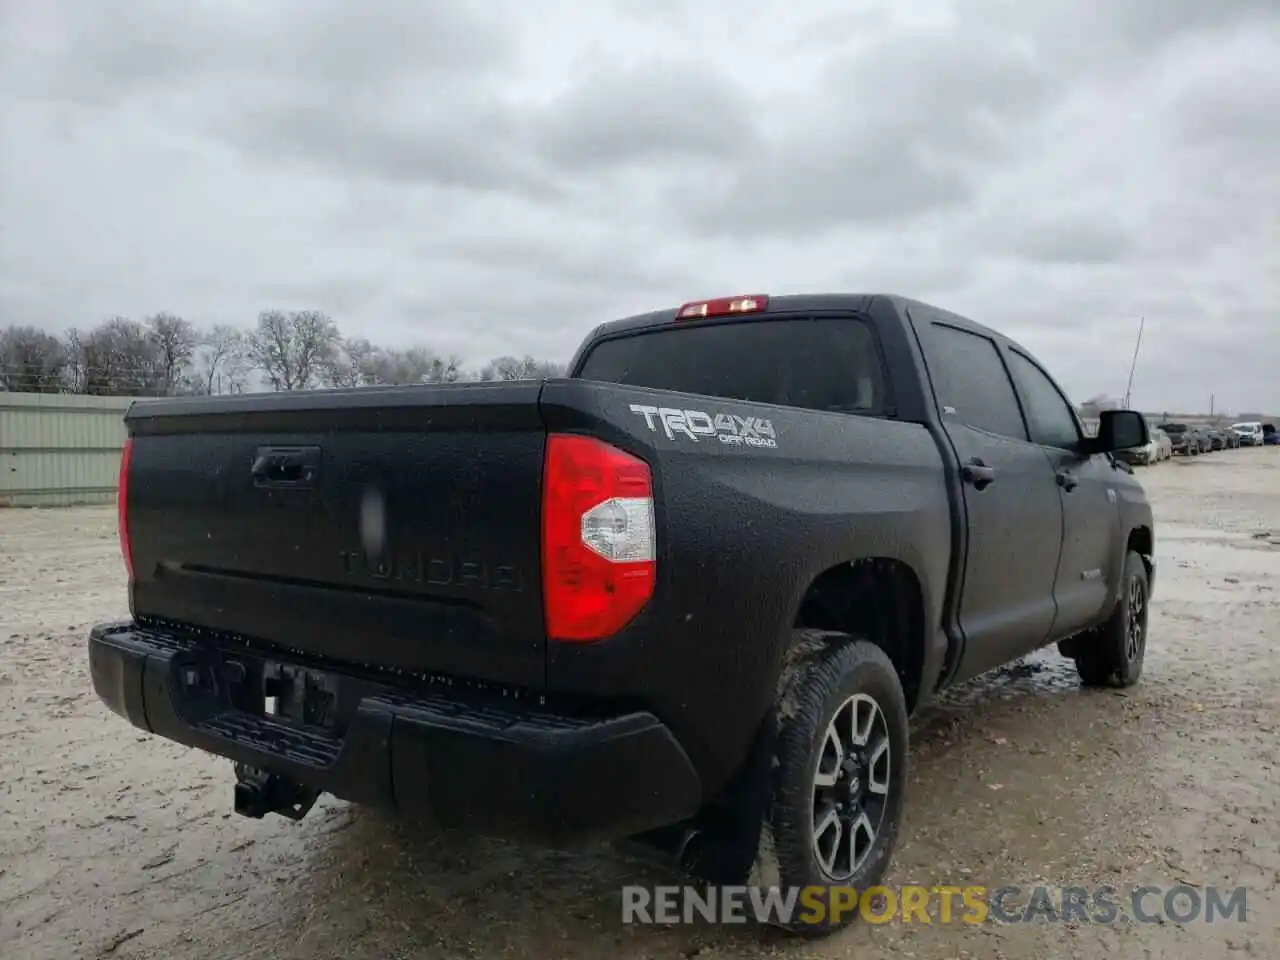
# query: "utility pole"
{"type": "Point", "coordinates": [1128, 390]}
{"type": "Point", "coordinates": [1211, 404]}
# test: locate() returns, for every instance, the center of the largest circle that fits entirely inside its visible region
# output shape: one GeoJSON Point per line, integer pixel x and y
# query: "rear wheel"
{"type": "Point", "coordinates": [840, 774]}
{"type": "Point", "coordinates": [1114, 654]}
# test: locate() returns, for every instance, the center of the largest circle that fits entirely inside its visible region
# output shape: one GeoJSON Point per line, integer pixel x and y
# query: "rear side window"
{"type": "Point", "coordinates": [971, 383]}
{"type": "Point", "coordinates": [820, 363]}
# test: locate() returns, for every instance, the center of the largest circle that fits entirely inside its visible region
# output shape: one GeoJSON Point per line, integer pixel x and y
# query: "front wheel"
{"type": "Point", "coordinates": [840, 775]}
{"type": "Point", "coordinates": [1114, 654]}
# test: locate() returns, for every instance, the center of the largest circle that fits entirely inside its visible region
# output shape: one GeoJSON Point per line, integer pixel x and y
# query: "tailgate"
{"type": "Point", "coordinates": [394, 528]}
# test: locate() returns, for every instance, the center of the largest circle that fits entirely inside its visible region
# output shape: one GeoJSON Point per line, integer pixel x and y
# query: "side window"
{"type": "Point", "coordinates": [1052, 421]}
{"type": "Point", "coordinates": [971, 383]}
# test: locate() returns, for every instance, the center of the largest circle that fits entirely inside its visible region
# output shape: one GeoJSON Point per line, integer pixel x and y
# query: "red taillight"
{"type": "Point", "coordinates": [599, 556]}
{"type": "Point", "coordinates": [723, 307]}
{"type": "Point", "coordinates": [122, 507]}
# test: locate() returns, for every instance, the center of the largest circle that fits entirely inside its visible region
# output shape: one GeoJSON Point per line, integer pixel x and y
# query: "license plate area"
{"type": "Point", "coordinates": [302, 696]}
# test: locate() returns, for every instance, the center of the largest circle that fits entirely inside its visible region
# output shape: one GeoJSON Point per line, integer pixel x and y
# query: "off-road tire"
{"type": "Point", "coordinates": [830, 674]}
{"type": "Point", "coordinates": [1112, 656]}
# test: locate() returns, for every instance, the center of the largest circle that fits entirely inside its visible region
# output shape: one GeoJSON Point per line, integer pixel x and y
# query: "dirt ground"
{"type": "Point", "coordinates": [114, 843]}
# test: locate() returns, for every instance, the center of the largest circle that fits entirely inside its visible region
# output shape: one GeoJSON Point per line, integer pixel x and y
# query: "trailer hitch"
{"type": "Point", "coordinates": [259, 792]}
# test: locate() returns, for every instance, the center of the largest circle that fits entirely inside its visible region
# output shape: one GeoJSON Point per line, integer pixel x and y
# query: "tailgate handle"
{"type": "Point", "coordinates": [286, 466]}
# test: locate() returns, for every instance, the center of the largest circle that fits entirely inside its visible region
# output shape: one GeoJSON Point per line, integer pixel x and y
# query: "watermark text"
{"type": "Point", "coordinates": [941, 904]}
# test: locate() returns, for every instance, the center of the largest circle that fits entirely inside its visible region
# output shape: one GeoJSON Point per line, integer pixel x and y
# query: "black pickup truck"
{"type": "Point", "coordinates": [689, 594]}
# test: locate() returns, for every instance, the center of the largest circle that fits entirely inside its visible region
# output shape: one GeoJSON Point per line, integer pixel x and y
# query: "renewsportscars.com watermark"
{"type": "Point", "coordinates": [1180, 904]}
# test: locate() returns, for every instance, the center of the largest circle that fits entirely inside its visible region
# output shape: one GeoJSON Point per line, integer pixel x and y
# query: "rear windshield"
{"type": "Point", "coordinates": [1173, 427]}
{"type": "Point", "coordinates": [822, 363]}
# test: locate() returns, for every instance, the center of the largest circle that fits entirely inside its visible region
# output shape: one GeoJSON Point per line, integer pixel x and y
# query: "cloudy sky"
{"type": "Point", "coordinates": [495, 177]}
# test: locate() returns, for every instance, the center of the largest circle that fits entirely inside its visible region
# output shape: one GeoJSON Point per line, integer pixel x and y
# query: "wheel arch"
{"type": "Point", "coordinates": [1142, 542]}
{"type": "Point", "coordinates": [879, 599]}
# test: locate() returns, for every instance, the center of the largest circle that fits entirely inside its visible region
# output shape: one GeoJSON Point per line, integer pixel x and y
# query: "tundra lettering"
{"type": "Point", "coordinates": [418, 567]}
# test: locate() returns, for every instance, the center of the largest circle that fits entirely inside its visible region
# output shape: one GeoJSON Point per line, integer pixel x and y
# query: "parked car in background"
{"type": "Point", "coordinates": [1158, 448]}
{"type": "Point", "coordinates": [1249, 433]}
{"type": "Point", "coordinates": [1269, 435]}
{"type": "Point", "coordinates": [1137, 457]}
{"type": "Point", "coordinates": [1184, 439]}
{"type": "Point", "coordinates": [1164, 446]}
{"type": "Point", "coordinates": [1216, 441]}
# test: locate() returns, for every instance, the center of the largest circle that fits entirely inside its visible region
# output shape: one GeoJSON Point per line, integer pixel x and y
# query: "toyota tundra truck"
{"type": "Point", "coordinates": [687, 595]}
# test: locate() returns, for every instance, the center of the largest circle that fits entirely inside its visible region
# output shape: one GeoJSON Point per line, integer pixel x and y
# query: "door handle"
{"type": "Point", "coordinates": [978, 473]}
{"type": "Point", "coordinates": [1067, 480]}
{"type": "Point", "coordinates": [285, 466]}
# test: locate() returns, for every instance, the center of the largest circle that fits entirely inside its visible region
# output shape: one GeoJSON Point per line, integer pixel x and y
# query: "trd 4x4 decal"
{"type": "Point", "coordinates": [699, 425]}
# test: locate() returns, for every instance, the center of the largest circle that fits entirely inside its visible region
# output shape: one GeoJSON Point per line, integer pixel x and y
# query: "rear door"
{"type": "Point", "coordinates": [1090, 512]}
{"type": "Point", "coordinates": [1012, 506]}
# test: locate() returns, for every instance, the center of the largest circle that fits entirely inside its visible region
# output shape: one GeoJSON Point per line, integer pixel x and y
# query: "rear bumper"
{"type": "Point", "coordinates": [479, 766]}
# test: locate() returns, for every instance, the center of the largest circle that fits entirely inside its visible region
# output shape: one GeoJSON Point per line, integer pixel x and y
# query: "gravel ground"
{"type": "Point", "coordinates": [113, 843]}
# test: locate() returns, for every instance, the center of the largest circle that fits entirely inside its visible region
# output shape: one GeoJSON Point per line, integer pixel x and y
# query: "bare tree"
{"type": "Point", "coordinates": [431, 368]}
{"type": "Point", "coordinates": [31, 360]}
{"type": "Point", "coordinates": [74, 373]}
{"type": "Point", "coordinates": [351, 363]}
{"type": "Point", "coordinates": [358, 363]}
{"type": "Point", "coordinates": [291, 348]}
{"type": "Point", "coordinates": [117, 358]}
{"type": "Point", "coordinates": [520, 368]}
{"type": "Point", "coordinates": [295, 350]}
{"type": "Point", "coordinates": [221, 361]}
{"type": "Point", "coordinates": [175, 343]}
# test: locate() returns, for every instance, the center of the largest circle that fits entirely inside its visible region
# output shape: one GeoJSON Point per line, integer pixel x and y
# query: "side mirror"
{"type": "Point", "coordinates": [1121, 430]}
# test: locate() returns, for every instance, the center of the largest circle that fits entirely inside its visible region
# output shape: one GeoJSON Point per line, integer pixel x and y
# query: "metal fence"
{"type": "Point", "coordinates": [59, 449]}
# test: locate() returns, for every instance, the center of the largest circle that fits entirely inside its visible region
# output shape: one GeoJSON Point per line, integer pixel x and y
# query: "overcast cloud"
{"type": "Point", "coordinates": [497, 177]}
